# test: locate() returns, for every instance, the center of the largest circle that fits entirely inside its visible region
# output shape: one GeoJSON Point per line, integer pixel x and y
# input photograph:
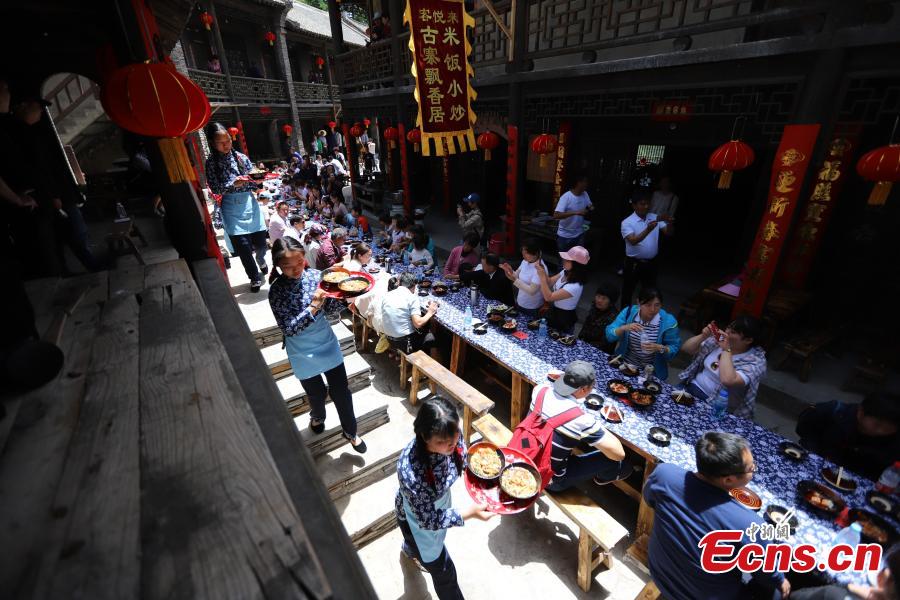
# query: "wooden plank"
{"type": "Point", "coordinates": [585, 552]}
{"type": "Point", "coordinates": [627, 489]}
{"type": "Point", "coordinates": [95, 550]}
{"type": "Point", "coordinates": [370, 533]}
{"type": "Point", "coordinates": [648, 592]}
{"type": "Point", "coordinates": [456, 387]}
{"type": "Point", "coordinates": [333, 438]}
{"type": "Point", "coordinates": [32, 461]}
{"type": "Point", "coordinates": [639, 550]}
{"type": "Point", "coordinates": [519, 401]}
{"type": "Point", "coordinates": [216, 519]}
{"type": "Point", "coordinates": [362, 478]}
{"type": "Point", "coordinates": [126, 280]}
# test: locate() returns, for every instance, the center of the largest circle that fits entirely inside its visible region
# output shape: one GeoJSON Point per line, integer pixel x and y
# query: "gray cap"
{"type": "Point", "coordinates": [578, 374]}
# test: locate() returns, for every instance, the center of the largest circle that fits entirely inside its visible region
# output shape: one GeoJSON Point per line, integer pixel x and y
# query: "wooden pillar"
{"type": "Point", "coordinates": [284, 60]}
{"type": "Point", "coordinates": [516, 134]}
{"type": "Point", "coordinates": [220, 50]}
{"type": "Point", "coordinates": [337, 29]}
{"type": "Point", "coordinates": [395, 8]}
{"type": "Point", "coordinates": [404, 170]}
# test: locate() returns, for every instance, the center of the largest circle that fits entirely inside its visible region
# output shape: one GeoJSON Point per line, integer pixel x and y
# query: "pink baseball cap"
{"type": "Point", "coordinates": [577, 254]}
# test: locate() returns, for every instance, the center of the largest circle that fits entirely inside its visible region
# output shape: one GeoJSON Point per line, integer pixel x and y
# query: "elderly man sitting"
{"type": "Point", "coordinates": [331, 253]}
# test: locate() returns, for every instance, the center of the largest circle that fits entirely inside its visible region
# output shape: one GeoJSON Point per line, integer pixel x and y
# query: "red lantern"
{"type": "Point", "coordinates": [367, 122]}
{"type": "Point", "coordinates": [729, 157]}
{"type": "Point", "coordinates": [320, 62]}
{"type": "Point", "coordinates": [287, 129]}
{"type": "Point", "coordinates": [881, 165]}
{"type": "Point", "coordinates": [206, 19]}
{"type": "Point", "coordinates": [270, 37]}
{"type": "Point", "coordinates": [155, 100]}
{"type": "Point", "coordinates": [487, 141]}
{"type": "Point", "coordinates": [332, 124]}
{"type": "Point", "coordinates": [391, 135]}
{"type": "Point", "coordinates": [357, 130]}
{"type": "Point", "coordinates": [265, 111]}
{"type": "Point", "coordinates": [233, 132]}
{"type": "Point", "coordinates": [543, 145]}
{"type": "Point", "coordinates": [414, 136]}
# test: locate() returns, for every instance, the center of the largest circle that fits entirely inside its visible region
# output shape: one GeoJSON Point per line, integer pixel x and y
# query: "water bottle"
{"type": "Point", "coordinates": [719, 405]}
{"type": "Point", "coordinates": [405, 258]}
{"type": "Point", "coordinates": [542, 329]}
{"type": "Point", "coordinates": [467, 320]}
{"type": "Point", "coordinates": [473, 294]}
{"type": "Point", "coordinates": [848, 535]}
{"type": "Point", "coordinates": [889, 480]}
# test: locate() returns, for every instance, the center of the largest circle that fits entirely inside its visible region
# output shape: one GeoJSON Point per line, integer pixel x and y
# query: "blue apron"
{"type": "Point", "coordinates": [314, 350]}
{"type": "Point", "coordinates": [241, 214]}
{"type": "Point", "coordinates": [430, 543]}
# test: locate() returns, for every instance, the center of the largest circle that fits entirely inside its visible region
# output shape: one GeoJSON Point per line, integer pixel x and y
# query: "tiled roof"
{"type": "Point", "coordinates": [312, 20]}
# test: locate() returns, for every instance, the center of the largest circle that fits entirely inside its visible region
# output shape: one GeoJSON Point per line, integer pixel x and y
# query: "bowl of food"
{"type": "Point", "coordinates": [425, 284]}
{"type": "Point", "coordinates": [845, 484]}
{"type": "Point", "coordinates": [611, 414]}
{"type": "Point", "coordinates": [683, 398]}
{"type": "Point", "coordinates": [567, 340]}
{"type": "Point", "coordinates": [593, 401]}
{"type": "Point", "coordinates": [660, 436]}
{"type": "Point", "coordinates": [618, 387]}
{"type": "Point", "coordinates": [629, 370]}
{"type": "Point", "coordinates": [554, 375]}
{"type": "Point", "coordinates": [428, 272]}
{"type": "Point", "coordinates": [496, 319]}
{"type": "Point", "coordinates": [821, 499]}
{"type": "Point", "coordinates": [439, 289]}
{"type": "Point", "coordinates": [480, 328]}
{"type": "Point", "coordinates": [792, 451]}
{"type": "Point", "coordinates": [883, 503]}
{"type": "Point", "coordinates": [654, 387]}
{"type": "Point", "coordinates": [424, 293]}
{"type": "Point", "coordinates": [512, 312]}
{"type": "Point", "coordinates": [509, 326]}
{"type": "Point", "coordinates": [554, 335]}
{"type": "Point", "coordinates": [775, 514]}
{"type": "Point", "coordinates": [534, 325]}
{"type": "Point", "coordinates": [455, 287]}
{"type": "Point", "coordinates": [875, 530]}
{"type": "Point", "coordinates": [354, 285]}
{"type": "Point", "coordinates": [641, 398]}
{"type": "Point", "coordinates": [373, 269]}
{"type": "Point", "coordinates": [486, 462]}
{"type": "Point", "coordinates": [333, 276]}
{"type": "Point", "coordinates": [520, 481]}
{"type": "Point", "coordinates": [497, 309]}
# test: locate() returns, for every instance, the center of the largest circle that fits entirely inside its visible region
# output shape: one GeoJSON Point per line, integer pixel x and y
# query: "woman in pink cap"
{"type": "Point", "coordinates": [563, 290]}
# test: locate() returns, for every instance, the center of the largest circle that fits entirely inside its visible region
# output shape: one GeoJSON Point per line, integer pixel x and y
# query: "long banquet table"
{"type": "Point", "coordinates": [530, 360]}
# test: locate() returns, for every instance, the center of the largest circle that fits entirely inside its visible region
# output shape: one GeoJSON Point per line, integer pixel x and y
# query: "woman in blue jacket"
{"type": "Point", "coordinates": [646, 334]}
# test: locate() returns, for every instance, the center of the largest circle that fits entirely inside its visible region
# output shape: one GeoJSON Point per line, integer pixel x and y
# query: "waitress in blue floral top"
{"type": "Point", "coordinates": [427, 468]}
{"type": "Point", "coordinates": [226, 173]}
{"type": "Point", "coordinates": [312, 348]}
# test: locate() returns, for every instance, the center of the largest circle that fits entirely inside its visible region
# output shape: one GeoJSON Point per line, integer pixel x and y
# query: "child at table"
{"type": "Point", "coordinates": [602, 313]}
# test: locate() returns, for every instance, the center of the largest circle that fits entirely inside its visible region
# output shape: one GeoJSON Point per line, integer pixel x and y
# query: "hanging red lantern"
{"type": "Point", "coordinates": [391, 135]}
{"type": "Point", "coordinates": [320, 62]}
{"type": "Point", "coordinates": [270, 37]}
{"type": "Point", "coordinates": [155, 100]}
{"type": "Point", "coordinates": [332, 124]}
{"type": "Point", "coordinates": [207, 20]}
{"type": "Point", "coordinates": [543, 145]}
{"type": "Point", "coordinates": [728, 158]}
{"type": "Point", "coordinates": [487, 141]}
{"type": "Point", "coordinates": [233, 132]}
{"type": "Point", "coordinates": [265, 111]}
{"type": "Point", "coordinates": [357, 130]}
{"type": "Point", "coordinates": [287, 129]}
{"type": "Point", "coordinates": [881, 165]}
{"type": "Point", "coordinates": [366, 123]}
{"type": "Point", "coordinates": [414, 136]}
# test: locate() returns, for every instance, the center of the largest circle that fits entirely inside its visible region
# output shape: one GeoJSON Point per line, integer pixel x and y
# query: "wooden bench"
{"type": "Point", "coordinates": [649, 592]}
{"type": "Point", "coordinates": [474, 402]}
{"type": "Point", "coordinates": [595, 524]}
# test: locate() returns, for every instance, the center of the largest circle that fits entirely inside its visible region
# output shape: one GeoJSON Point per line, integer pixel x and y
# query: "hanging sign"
{"type": "Point", "coordinates": [441, 68]}
{"type": "Point", "coordinates": [562, 150]}
{"type": "Point", "coordinates": [788, 171]}
{"type": "Point", "coordinates": [512, 179]}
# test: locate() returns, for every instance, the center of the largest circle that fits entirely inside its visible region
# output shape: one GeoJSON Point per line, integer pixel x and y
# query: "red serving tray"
{"type": "Point", "coordinates": [343, 295]}
{"type": "Point", "coordinates": [496, 500]}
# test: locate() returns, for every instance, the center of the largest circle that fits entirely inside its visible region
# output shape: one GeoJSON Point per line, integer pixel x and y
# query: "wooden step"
{"type": "Point", "coordinates": [358, 376]}
{"type": "Point", "coordinates": [368, 513]}
{"type": "Point", "coordinates": [333, 438]}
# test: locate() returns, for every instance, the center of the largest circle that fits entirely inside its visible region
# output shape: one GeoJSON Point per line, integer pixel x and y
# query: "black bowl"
{"type": "Point", "coordinates": [774, 509]}
{"type": "Point", "coordinates": [353, 294]}
{"type": "Point", "coordinates": [554, 335]}
{"type": "Point", "coordinates": [615, 360]}
{"type": "Point", "coordinates": [490, 480]}
{"type": "Point", "coordinates": [512, 313]}
{"type": "Point", "coordinates": [619, 394]}
{"type": "Point", "coordinates": [480, 328]}
{"type": "Point", "coordinates": [629, 370]}
{"type": "Point", "coordinates": [883, 503]}
{"type": "Point", "coordinates": [868, 521]}
{"type": "Point", "coordinates": [423, 293]}
{"type": "Point", "coordinates": [509, 326]}
{"type": "Point", "coordinates": [792, 451]}
{"type": "Point", "coordinates": [455, 287]}
{"type": "Point", "coordinates": [534, 325]}
{"type": "Point", "coordinates": [660, 436]}
{"type": "Point", "coordinates": [439, 290]}
{"type": "Point", "coordinates": [593, 401]}
{"type": "Point", "coordinates": [830, 476]}
{"type": "Point", "coordinates": [496, 319]}
{"type": "Point", "coordinates": [683, 398]}
{"type": "Point", "coordinates": [425, 283]}
{"type": "Point", "coordinates": [806, 488]}
{"type": "Point", "coordinates": [530, 469]}
{"type": "Point", "coordinates": [648, 398]}
{"type": "Point", "coordinates": [428, 271]}
{"type": "Point", "coordinates": [653, 387]}
{"type": "Point", "coordinates": [567, 340]}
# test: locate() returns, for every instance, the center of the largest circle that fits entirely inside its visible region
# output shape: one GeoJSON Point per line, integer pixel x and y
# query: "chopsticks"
{"type": "Point", "coordinates": [840, 474]}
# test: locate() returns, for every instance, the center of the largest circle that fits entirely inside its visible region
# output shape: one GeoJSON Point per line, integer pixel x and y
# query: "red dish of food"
{"type": "Point", "coordinates": [611, 414]}
{"type": "Point", "coordinates": [341, 295]}
{"type": "Point", "coordinates": [490, 494]}
{"type": "Point", "coordinates": [746, 497]}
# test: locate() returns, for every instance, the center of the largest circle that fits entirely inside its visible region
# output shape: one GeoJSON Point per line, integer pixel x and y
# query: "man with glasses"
{"type": "Point", "coordinates": [730, 359]}
{"type": "Point", "coordinates": [690, 505]}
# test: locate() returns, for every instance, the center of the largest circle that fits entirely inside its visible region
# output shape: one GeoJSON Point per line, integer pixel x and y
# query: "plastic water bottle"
{"type": "Point", "coordinates": [405, 258]}
{"type": "Point", "coordinates": [467, 320]}
{"type": "Point", "coordinates": [719, 405]}
{"type": "Point", "coordinates": [542, 329]}
{"type": "Point", "coordinates": [848, 535]}
{"type": "Point", "coordinates": [889, 480]}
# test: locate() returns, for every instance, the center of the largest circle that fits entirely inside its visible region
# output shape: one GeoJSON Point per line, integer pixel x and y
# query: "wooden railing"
{"type": "Point", "coordinates": [371, 67]}
{"type": "Point", "coordinates": [273, 91]}
{"type": "Point", "coordinates": [71, 92]}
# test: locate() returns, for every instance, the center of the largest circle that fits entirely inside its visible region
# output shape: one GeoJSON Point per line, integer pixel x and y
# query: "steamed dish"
{"type": "Point", "coordinates": [485, 462]}
{"type": "Point", "coordinates": [355, 285]}
{"type": "Point", "coordinates": [335, 277]}
{"type": "Point", "coordinates": [518, 482]}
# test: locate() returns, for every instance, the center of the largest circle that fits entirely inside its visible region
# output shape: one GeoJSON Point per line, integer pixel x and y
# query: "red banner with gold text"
{"type": "Point", "coordinates": [512, 180]}
{"type": "Point", "coordinates": [788, 171]}
{"type": "Point", "coordinates": [440, 49]}
{"type": "Point", "coordinates": [807, 236]}
{"type": "Point", "coordinates": [562, 154]}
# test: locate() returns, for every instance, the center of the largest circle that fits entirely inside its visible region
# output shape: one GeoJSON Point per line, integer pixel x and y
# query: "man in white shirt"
{"type": "Point", "coordinates": [402, 320]}
{"type": "Point", "coordinates": [279, 221]}
{"type": "Point", "coordinates": [641, 234]}
{"type": "Point", "coordinates": [338, 166]}
{"type": "Point", "coordinates": [570, 210]}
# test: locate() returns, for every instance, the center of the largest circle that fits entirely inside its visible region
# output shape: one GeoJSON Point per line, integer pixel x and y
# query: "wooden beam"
{"type": "Point", "coordinates": [374, 530]}
{"type": "Point", "coordinates": [490, 6]}
{"type": "Point", "coordinates": [371, 473]}
{"type": "Point", "coordinates": [335, 439]}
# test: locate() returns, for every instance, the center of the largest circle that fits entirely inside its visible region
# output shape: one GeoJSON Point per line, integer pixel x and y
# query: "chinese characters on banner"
{"type": "Point", "coordinates": [811, 227]}
{"type": "Point", "coordinates": [562, 151]}
{"type": "Point", "coordinates": [512, 178]}
{"type": "Point", "coordinates": [441, 68]}
{"type": "Point", "coordinates": [788, 171]}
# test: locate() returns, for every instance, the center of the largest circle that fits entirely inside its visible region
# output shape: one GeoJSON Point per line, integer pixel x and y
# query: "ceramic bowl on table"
{"type": "Point", "coordinates": [820, 499]}
{"type": "Point", "coordinates": [486, 462]}
{"type": "Point", "coordinates": [509, 326]}
{"type": "Point", "coordinates": [660, 436]}
{"type": "Point", "coordinates": [593, 401]}
{"type": "Point", "coordinates": [534, 325]}
{"type": "Point", "coordinates": [775, 514]}
{"type": "Point", "coordinates": [520, 481]}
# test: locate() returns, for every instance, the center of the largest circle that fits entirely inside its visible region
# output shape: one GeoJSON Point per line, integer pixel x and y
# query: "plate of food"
{"type": "Point", "coordinates": [838, 479]}
{"type": "Point", "coordinates": [373, 270]}
{"type": "Point", "coordinates": [883, 503]}
{"type": "Point", "coordinates": [485, 462]}
{"type": "Point", "coordinates": [682, 397]}
{"type": "Point", "coordinates": [618, 387]}
{"type": "Point", "coordinates": [660, 436]}
{"type": "Point", "coordinates": [775, 514]}
{"type": "Point", "coordinates": [514, 490]}
{"type": "Point", "coordinates": [875, 530]}
{"type": "Point", "coordinates": [509, 326]}
{"type": "Point", "coordinates": [792, 451]}
{"type": "Point", "coordinates": [629, 370]}
{"type": "Point", "coordinates": [593, 401]}
{"type": "Point", "coordinates": [567, 340]}
{"type": "Point", "coordinates": [820, 498]}
{"type": "Point", "coordinates": [746, 497]}
{"type": "Point", "coordinates": [355, 285]}
{"type": "Point", "coordinates": [611, 414]}
{"type": "Point", "coordinates": [641, 398]}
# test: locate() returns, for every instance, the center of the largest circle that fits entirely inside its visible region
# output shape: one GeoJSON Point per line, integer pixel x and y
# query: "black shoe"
{"type": "Point", "coordinates": [255, 285]}
{"type": "Point", "coordinates": [360, 447]}
{"type": "Point", "coordinates": [264, 269]}
{"type": "Point", "coordinates": [624, 472]}
{"type": "Point", "coordinates": [316, 426]}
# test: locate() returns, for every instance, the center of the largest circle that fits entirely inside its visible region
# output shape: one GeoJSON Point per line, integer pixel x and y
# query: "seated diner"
{"type": "Point", "coordinates": [645, 334]}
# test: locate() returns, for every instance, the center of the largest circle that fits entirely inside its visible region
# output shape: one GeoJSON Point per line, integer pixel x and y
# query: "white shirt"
{"type": "Point", "coordinates": [338, 167]}
{"type": "Point", "coordinates": [418, 255]}
{"type": "Point", "coordinates": [570, 303]}
{"type": "Point", "coordinates": [648, 247]}
{"type": "Point", "coordinates": [664, 203]}
{"type": "Point", "coordinates": [708, 378]}
{"type": "Point", "coordinates": [528, 275]}
{"type": "Point", "coordinates": [347, 193]}
{"type": "Point", "coordinates": [277, 227]}
{"type": "Point", "coordinates": [312, 252]}
{"type": "Point", "coordinates": [292, 232]}
{"type": "Point", "coordinates": [572, 227]}
{"type": "Point", "coordinates": [396, 312]}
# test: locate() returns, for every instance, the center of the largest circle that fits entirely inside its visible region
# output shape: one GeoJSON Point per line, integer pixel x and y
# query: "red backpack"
{"type": "Point", "coordinates": [534, 435]}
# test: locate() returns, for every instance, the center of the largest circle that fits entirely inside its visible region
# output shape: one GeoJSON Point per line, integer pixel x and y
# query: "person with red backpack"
{"type": "Point", "coordinates": [568, 443]}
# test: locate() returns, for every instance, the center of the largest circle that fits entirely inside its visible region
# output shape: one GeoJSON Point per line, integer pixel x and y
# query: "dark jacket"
{"type": "Point", "coordinates": [594, 329]}
{"type": "Point", "coordinates": [498, 287]}
{"type": "Point", "coordinates": [830, 430]}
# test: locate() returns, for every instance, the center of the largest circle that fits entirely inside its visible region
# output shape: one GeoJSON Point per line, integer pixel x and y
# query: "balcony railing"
{"type": "Point", "coordinates": [316, 93]}
{"type": "Point", "coordinates": [371, 67]}
{"type": "Point", "coordinates": [263, 91]}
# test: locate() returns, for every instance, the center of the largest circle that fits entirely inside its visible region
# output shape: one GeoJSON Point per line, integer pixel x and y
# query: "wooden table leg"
{"type": "Point", "coordinates": [638, 550]}
{"type": "Point", "coordinates": [467, 424]}
{"type": "Point", "coordinates": [457, 355]}
{"type": "Point", "coordinates": [519, 401]}
{"type": "Point", "coordinates": [414, 386]}
{"type": "Point", "coordinates": [403, 374]}
{"type": "Point", "coordinates": [585, 551]}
